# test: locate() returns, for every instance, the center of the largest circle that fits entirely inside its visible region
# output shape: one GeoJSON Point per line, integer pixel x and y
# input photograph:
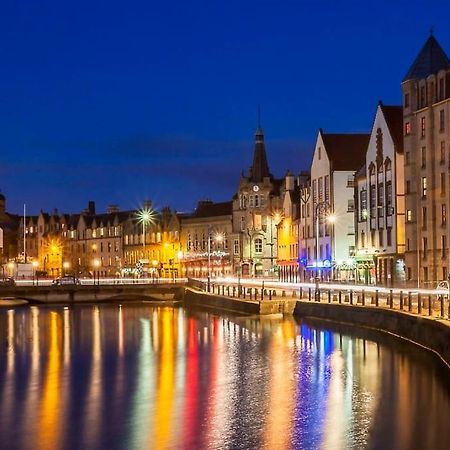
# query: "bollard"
{"type": "Point", "coordinates": [419, 303]}
{"type": "Point", "coordinates": [234, 291]}
{"type": "Point", "coordinates": [301, 292]}
{"type": "Point", "coordinates": [309, 294]}
{"type": "Point", "coordinates": [377, 298]}
{"type": "Point", "coordinates": [340, 297]}
{"type": "Point", "coordinates": [391, 299]}
{"type": "Point", "coordinates": [329, 295]}
{"type": "Point", "coordinates": [430, 306]}
{"type": "Point", "coordinates": [270, 294]}
{"type": "Point", "coordinates": [409, 301]}
{"type": "Point", "coordinates": [363, 297]}
{"type": "Point", "coordinates": [351, 297]}
{"type": "Point", "coordinates": [442, 306]}
{"type": "Point", "coordinates": [401, 300]}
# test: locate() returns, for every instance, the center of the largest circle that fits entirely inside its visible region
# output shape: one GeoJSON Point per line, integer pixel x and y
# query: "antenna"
{"type": "Point", "coordinates": [259, 116]}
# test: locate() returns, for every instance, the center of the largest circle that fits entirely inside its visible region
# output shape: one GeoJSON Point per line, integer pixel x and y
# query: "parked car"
{"type": "Point", "coordinates": [68, 280]}
{"type": "Point", "coordinates": [7, 281]}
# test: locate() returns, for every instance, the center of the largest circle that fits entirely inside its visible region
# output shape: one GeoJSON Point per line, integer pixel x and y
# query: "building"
{"type": "Point", "coordinates": [289, 227]}
{"type": "Point", "coordinates": [205, 240]}
{"type": "Point", "coordinates": [328, 213]}
{"type": "Point", "coordinates": [380, 203]}
{"type": "Point", "coordinates": [426, 129]}
{"type": "Point", "coordinates": [9, 224]}
{"type": "Point", "coordinates": [256, 206]}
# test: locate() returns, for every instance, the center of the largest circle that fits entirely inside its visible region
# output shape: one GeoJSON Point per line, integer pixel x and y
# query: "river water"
{"type": "Point", "coordinates": [145, 377]}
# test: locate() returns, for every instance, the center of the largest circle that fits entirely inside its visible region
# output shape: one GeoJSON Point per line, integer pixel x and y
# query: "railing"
{"type": "Point", "coordinates": [431, 305]}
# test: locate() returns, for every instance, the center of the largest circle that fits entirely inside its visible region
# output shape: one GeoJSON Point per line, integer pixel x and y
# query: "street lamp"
{"type": "Point", "coordinates": [96, 264]}
{"type": "Point", "coordinates": [320, 209]}
{"type": "Point", "coordinates": [66, 265]}
{"type": "Point", "coordinates": [145, 216]}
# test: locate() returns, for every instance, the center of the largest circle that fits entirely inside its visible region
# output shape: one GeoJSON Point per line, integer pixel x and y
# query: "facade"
{"type": "Point", "coordinates": [209, 222]}
{"type": "Point", "coordinates": [9, 225]}
{"type": "Point", "coordinates": [289, 228]}
{"type": "Point", "coordinates": [328, 214]}
{"type": "Point", "coordinates": [380, 204]}
{"type": "Point", "coordinates": [426, 129]}
{"type": "Point", "coordinates": [256, 206]}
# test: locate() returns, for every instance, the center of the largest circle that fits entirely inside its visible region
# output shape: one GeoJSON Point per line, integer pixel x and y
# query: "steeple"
{"type": "Point", "coordinates": [430, 60]}
{"type": "Point", "coordinates": [260, 168]}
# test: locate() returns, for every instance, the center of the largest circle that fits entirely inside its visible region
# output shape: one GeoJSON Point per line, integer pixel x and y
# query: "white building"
{"type": "Point", "coordinates": [380, 216]}
{"type": "Point", "coordinates": [330, 244]}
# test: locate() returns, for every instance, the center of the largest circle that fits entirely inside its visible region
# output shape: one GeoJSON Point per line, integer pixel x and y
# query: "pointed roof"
{"type": "Point", "coordinates": [394, 119]}
{"type": "Point", "coordinates": [260, 167]}
{"type": "Point", "coordinates": [430, 60]}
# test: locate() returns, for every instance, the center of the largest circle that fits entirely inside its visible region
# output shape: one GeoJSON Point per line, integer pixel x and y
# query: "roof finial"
{"type": "Point", "coordinates": [432, 30]}
{"type": "Point", "coordinates": [259, 117]}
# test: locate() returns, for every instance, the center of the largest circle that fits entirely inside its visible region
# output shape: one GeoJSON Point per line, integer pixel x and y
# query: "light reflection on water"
{"type": "Point", "coordinates": [136, 377]}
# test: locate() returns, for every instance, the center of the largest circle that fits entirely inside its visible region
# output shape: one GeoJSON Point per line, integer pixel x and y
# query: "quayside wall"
{"type": "Point", "coordinates": [432, 333]}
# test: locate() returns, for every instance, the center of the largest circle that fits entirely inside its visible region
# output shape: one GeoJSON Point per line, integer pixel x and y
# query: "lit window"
{"type": "Point", "coordinates": [424, 186]}
{"type": "Point", "coordinates": [258, 245]}
{"type": "Point", "coordinates": [407, 128]}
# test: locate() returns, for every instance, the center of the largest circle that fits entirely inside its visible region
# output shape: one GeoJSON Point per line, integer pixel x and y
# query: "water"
{"type": "Point", "coordinates": [136, 377]}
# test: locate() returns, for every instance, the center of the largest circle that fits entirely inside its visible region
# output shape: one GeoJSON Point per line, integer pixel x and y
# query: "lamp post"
{"type": "Point", "coordinates": [35, 266]}
{"type": "Point", "coordinates": [96, 264]}
{"type": "Point", "coordinates": [323, 207]}
{"type": "Point", "coordinates": [145, 216]}
{"type": "Point", "coordinates": [277, 217]}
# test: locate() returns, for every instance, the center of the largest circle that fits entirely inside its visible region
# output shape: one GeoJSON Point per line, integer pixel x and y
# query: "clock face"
{"type": "Point", "coordinates": [256, 188]}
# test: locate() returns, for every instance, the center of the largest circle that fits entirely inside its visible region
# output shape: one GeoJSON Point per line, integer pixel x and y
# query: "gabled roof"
{"type": "Point", "coordinates": [345, 151]}
{"type": "Point", "coordinates": [394, 119]}
{"type": "Point", "coordinates": [430, 60]}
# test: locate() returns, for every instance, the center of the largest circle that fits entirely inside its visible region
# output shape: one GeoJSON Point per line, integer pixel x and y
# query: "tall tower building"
{"type": "Point", "coordinates": [426, 129]}
{"type": "Point", "coordinates": [256, 210]}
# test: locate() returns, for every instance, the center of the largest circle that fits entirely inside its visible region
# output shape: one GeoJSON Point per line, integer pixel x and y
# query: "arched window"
{"type": "Point", "coordinates": [388, 164]}
{"type": "Point", "coordinates": [258, 245]}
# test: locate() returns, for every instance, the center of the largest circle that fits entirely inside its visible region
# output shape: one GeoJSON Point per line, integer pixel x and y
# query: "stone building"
{"type": "Point", "coordinates": [380, 203]}
{"type": "Point", "coordinates": [9, 225]}
{"type": "Point", "coordinates": [256, 205]}
{"type": "Point", "coordinates": [426, 129]}
{"type": "Point", "coordinates": [213, 222]}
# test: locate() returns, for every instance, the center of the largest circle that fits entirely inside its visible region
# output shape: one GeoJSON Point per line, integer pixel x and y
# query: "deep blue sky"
{"type": "Point", "coordinates": [122, 101]}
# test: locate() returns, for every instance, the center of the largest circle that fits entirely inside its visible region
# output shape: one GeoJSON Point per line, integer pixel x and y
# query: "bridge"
{"type": "Point", "coordinates": [170, 292]}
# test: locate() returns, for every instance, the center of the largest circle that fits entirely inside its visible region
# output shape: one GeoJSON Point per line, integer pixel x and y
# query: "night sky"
{"type": "Point", "coordinates": [119, 102]}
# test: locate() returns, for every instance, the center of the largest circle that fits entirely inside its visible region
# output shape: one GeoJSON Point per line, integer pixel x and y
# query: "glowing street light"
{"type": "Point", "coordinates": [145, 216]}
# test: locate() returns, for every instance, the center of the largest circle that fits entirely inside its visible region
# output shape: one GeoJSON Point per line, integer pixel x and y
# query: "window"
{"type": "Point", "coordinates": [372, 200]}
{"type": "Point", "coordinates": [424, 245]}
{"type": "Point", "coordinates": [406, 100]}
{"type": "Point", "coordinates": [363, 205]}
{"type": "Point", "coordinates": [320, 189]}
{"type": "Point", "coordinates": [408, 186]}
{"type": "Point", "coordinates": [380, 238]}
{"type": "Point", "coordinates": [424, 186]}
{"type": "Point", "coordinates": [319, 151]}
{"type": "Point", "coordinates": [258, 245]}
{"type": "Point", "coordinates": [441, 120]}
{"type": "Point", "coordinates": [441, 89]}
{"type": "Point", "coordinates": [407, 157]}
{"type": "Point", "coordinates": [327, 188]}
{"type": "Point", "coordinates": [257, 201]}
{"type": "Point", "coordinates": [422, 97]}
{"type": "Point", "coordinates": [236, 247]}
{"type": "Point", "coordinates": [242, 223]}
{"type": "Point", "coordinates": [443, 214]}
{"type": "Point", "coordinates": [389, 236]}
{"type": "Point", "coordinates": [444, 245]}
{"type": "Point", "coordinates": [423, 156]}
{"type": "Point", "coordinates": [350, 205]}
{"type": "Point", "coordinates": [442, 183]}
{"type": "Point", "coordinates": [251, 203]}
{"type": "Point", "coordinates": [424, 216]}
{"type": "Point", "coordinates": [442, 159]}
{"type": "Point", "coordinates": [257, 222]}
{"type": "Point", "coordinates": [408, 215]}
{"type": "Point", "coordinates": [389, 208]}
{"type": "Point", "coordinates": [422, 127]}
{"type": "Point", "coordinates": [408, 244]}
{"type": "Point", "coordinates": [407, 128]}
{"type": "Point", "coordinates": [380, 199]}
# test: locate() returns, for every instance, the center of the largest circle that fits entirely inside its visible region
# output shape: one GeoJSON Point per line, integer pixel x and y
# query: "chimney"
{"type": "Point", "coordinates": [91, 208]}
{"type": "Point", "coordinates": [147, 204]}
{"type": "Point", "coordinates": [112, 209]}
{"type": "Point", "coordinates": [289, 181]}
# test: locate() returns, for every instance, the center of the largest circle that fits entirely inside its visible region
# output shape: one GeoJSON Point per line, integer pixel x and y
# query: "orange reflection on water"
{"type": "Point", "coordinates": [166, 380]}
{"type": "Point", "coordinates": [282, 389]}
{"type": "Point", "coordinates": [50, 417]}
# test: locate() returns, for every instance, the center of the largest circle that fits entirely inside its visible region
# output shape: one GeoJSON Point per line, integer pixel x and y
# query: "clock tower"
{"type": "Point", "coordinates": [255, 206]}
